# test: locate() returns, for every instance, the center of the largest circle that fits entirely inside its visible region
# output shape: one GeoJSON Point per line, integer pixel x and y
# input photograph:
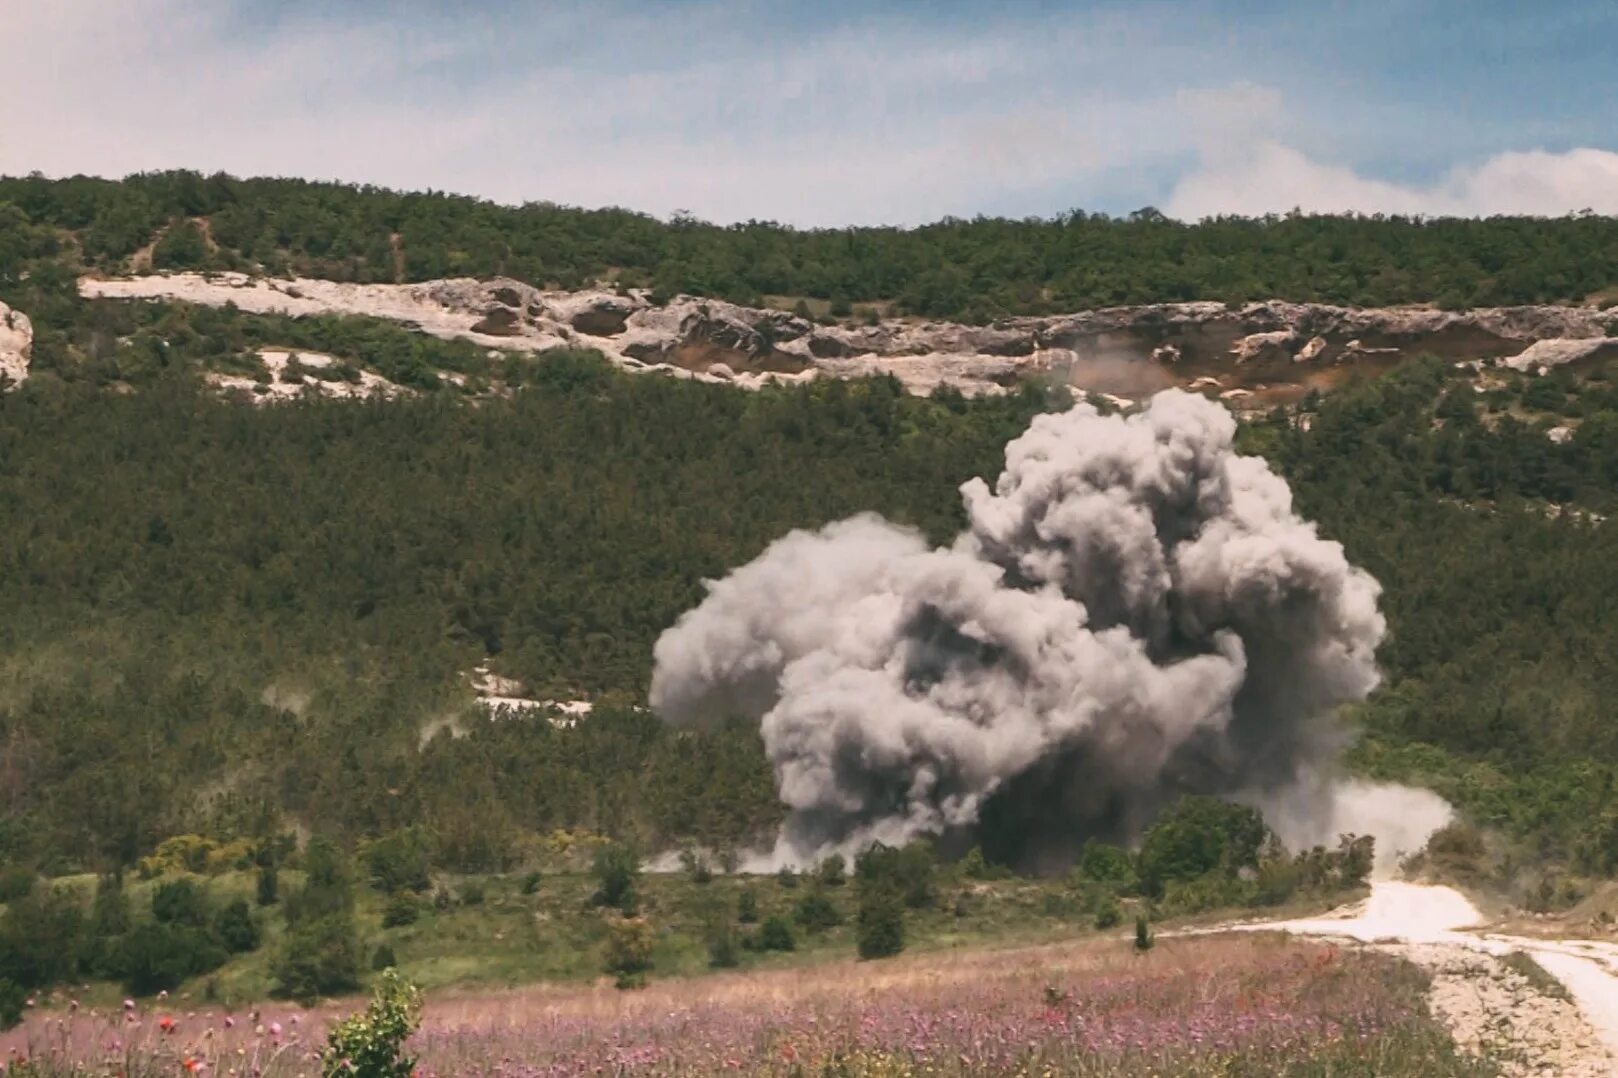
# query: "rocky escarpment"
{"type": "Point", "coordinates": [1260, 354]}
{"type": "Point", "coordinates": [16, 344]}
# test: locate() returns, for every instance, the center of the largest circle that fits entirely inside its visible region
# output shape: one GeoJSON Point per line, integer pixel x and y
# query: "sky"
{"type": "Point", "coordinates": [840, 112]}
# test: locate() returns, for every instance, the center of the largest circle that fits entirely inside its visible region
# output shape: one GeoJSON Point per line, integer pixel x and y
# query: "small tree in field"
{"type": "Point", "coordinates": [1143, 934]}
{"type": "Point", "coordinates": [371, 1045]}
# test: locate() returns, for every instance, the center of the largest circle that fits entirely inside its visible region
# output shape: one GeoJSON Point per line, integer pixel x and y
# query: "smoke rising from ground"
{"type": "Point", "coordinates": [1133, 612]}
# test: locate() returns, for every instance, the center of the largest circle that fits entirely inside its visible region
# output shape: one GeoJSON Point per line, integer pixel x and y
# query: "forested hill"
{"type": "Point", "coordinates": [973, 270]}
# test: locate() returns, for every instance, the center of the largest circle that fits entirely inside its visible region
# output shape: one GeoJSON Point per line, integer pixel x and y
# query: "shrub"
{"type": "Point", "coordinates": [696, 866]}
{"type": "Point", "coordinates": [269, 885]}
{"type": "Point", "coordinates": [472, 893]}
{"type": "Point", "coordinates": [401, 910]}
{"type": "Point", "coordinates": [1107, 913]}
{"type": "Point", "coordinates": [158, 957]}
{"type": "Point", "coordinates": [372, 1045]}
{"type": "Point", "coordinates": [974, 866]}
{"type": "Point", "coordinates": [747, 907]}
{"type": "Point", "coordinates": [723, 952]}
{"type": "Point", "coordinates": [775, 934]}
{"type": "Point", "coordinates": [816, 912]}
{"type": "Point", "coordinates": [399, 860]}
{"type": "Point", "coordinates": [833, 871]}
{"type": "Point", "coordinates": [320, 957]}
{"type": "Point", "coordinates": [1143, 934]}
{"type": "Point", "coordinates": [630, 941]}
{"type": "Point", "coordinates": [787, 878]}
{"type": "Point", "coordinates": [530, 883]}
{"type": "Point", "coordinates": [12, 1001]}
{"type": "Point", "coordinates": [880, 932]}
{"type": "Point", "coordinates": [442, 899]}
{"type": "Point", "coordinates": [180, 902]}
{"type": "Point", "coordinates": [1100, 862]}
{"type": "Point", "coordinates": [1197, 835]}
{"type": "Point", "coordinates": [616, 868]}
{"type": "Point", "coordinates": [235, 927]}
{"type": "Point", "coordinates": [42, 937]}
{"type": "Point", "coordinates": [382, 958]}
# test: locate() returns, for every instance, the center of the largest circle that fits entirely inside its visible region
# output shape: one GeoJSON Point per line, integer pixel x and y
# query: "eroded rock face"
{"type": "Point", "coordinates": [1271, 352]}
{"type": "Point", "coordinates": [16, 347]}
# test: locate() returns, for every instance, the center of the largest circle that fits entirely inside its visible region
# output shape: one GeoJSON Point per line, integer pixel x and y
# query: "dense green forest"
{"type": "Point", "coordinates": [975, 270]}
{"type": "Point", "coordinates": [227, 621]}
{"type": "Point", "coordinates": [222, 620]}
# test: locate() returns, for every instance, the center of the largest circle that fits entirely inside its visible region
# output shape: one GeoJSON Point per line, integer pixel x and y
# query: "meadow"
{"type": "Point", "coordinates": [1221, 1005]}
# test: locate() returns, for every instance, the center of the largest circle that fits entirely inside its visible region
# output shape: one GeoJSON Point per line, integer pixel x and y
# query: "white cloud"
{"type": "Point", "coordinates": [1265, 176]}
{"type": "Point", "coordinates": [714, 110]}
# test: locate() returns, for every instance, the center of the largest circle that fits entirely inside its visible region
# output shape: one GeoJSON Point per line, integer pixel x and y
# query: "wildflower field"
{"type": "Point", "coordinates": [1238, 1005]}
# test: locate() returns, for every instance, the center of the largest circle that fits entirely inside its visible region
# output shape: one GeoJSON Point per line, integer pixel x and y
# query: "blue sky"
{"type": "Point", "coordinates": [839, 112]}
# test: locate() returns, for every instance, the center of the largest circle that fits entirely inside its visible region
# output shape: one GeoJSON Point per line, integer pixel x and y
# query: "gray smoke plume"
{"type": "Point", "coordinates": [1134, 612]}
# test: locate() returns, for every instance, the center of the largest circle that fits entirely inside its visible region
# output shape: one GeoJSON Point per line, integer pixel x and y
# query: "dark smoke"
{"type": "Point", "coordinates": [1133, 612]}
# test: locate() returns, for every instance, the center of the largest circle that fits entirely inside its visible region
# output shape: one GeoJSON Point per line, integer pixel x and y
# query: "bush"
{"type": "Point", "coordinates": [382, 958]}
{"type": "Point", "coordinates": [974, 866]}
{"type": "Point", "coordinates": [1197, 835]}
{"type": "Point", "coordinates": [1107, 864]}
{"type": "Point", "coordinates": [472, 893]}
{"type": "Point", "coordinates": [158, 957]}
{"type": "Point", "coordinates": [880, 932]}
{"type": "Point", "coordinates": [180, 902]}
{"type": "Point", "coordinates": [696, 866]}
{"type": "Point", "coordinates": [320, 957]}
{"type": "Point", "coordinates": [235, 927]}
{"type": "Point", "coordinates": [833, 871]}
{"type": "Point", "coordinates": [775, 934]}
{"type": "Point", "coordinates": [530, 883]}
{"type": "Point", "coordinates": [401, 910]}
{"type": "Point", "coordinates": [816, 912]}
{"type": "Point", "coordinates": [787, 878]}
{"type": "Point", "coordinates": [42, 937]}
{"type": "Point", "coordinates": [372, 1045]}
{"type": "Point", "coordinates": [269, 886]}
{"type": "Point", "coordinates": [630, 941]}
{"type": "Point", "coordinates": [1143, 934]}
{"type": "Point", "coordinates": [399, 860]}
{"type": "Point", "coordinates": [723, 952]}
{"type": "Point", "coordinates": [1107, 913]}
{"type": "Point", "coordinates": [12, 1001]}
{"type": "Point", "coordinates": [747, 906]}
{"type": "Point", "coordinates": [616, 868]}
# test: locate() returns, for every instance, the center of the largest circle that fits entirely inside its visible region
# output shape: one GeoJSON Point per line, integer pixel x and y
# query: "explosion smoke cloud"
{"type": "Point", "coordinates": [1134, 611]}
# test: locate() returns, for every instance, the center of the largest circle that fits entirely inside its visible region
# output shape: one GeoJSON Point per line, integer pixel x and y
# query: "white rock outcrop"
{"type": "Point", "coordinates": [1268, 348]}
{"type": "Point", "coordinates": [16, 347]}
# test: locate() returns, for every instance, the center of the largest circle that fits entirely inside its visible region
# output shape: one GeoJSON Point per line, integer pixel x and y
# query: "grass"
{"type": "Point", "coordinates": [1245, 1004]}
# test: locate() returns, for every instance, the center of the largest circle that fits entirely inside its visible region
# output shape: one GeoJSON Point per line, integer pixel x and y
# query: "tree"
{"type": "Point", "coordinates": [1196, 836]}
{"type": "Point", "coordinates": [1143, 934]}
{"type": "Point", "coordinates": [616, 868]}
{"type": "Point", "coordinates": [775, 934]}
{"type": "Point", "coordinates": [880, 931]}
{"type": "Point", "coordinates": [235, 928]}
{"type": "Point", "coordinates": [399, 861]}
{"type": "Point", "coordinates": [180, 902]}
{"type": "Point", "coordinates": [816, 912]}
{"type": "Point", "coordinates": [268, 885]}
{"type": "Point", "coordinates": [1106, 864]}
{"type": "Point", "coordinates": [372, 1044]}
{"type": "Point", "coordinates": [12, 1001]}
{"type": "Point", "coordinates": [156, 957]}
{"type": "Point", "coordinates": [630, 941]}
{"type": "Point", "coordinates": [320, 957]}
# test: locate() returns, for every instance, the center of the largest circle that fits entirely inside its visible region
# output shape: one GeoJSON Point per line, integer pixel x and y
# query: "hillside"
{"type": "Point", "coordinates": [975, 271]}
